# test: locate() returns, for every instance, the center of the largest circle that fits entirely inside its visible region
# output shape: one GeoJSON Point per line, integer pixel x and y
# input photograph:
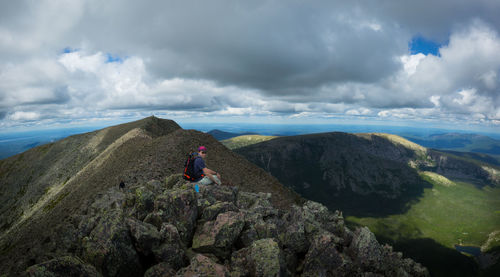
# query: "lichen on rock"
{"type": "Point", "coordinates": [221, 231]}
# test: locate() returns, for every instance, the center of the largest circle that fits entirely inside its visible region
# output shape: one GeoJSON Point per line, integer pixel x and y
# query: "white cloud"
{"type": "Point", "coordinates": [467, 97]}
{"type": "Point", "coordinates": [410, 62]}
{"type": "Point", "coordinates": [360, 111]}
{"type": "Point", "coordinates": [25, 116]}
{"type": "Point", "coordinates": [435, 100]}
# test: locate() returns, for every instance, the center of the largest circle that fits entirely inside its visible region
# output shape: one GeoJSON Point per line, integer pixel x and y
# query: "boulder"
{"type": "Point", "coordinates": [247, 237]}
{"type": "Point", "coordinates": [211, 212]}
{"type": "Point", "coordinates": [171, 254]}
{"type": "Point", "coordinates": [155, 219]}
{"type": "Point", "coordinates": [263, 206]}
{"type": "Point", "coordinates": [219, 193]}
{"type": "Point", "coordinates": [262, 258]}
{"type": "Point", "coordinates": [266, 229]}
{"type": "Point", "coordinates": [160, 270]}
{"type": "Point", "coordinates": [145, 236]}
{"type": "Point", "coordinates": [218, 236]}
{"type": "Point", "coordinates": [323, 258]}
{"type": "Point", "coordinates": [155, 186]}
{"type": "Point", "coordinates": [331, 221]}
{"type": "Point", "coordinates": [144, 202]}
{"type": "Point", "coordinates": [245, 200]}
{"type": "Point", "coordinates": [173, 180]}
{"type": "Point", "coordinates": [109, 247]}
{"type": "Point", "coordinates": [68, 266]}
{"type": "Point", "coordinates": [171, 251]}
{"type": "Point", "coordinates": [203, 266]}
{"type": "Point", "coordinates": [266, 258]}
{"type": "Point", "coordinates": [293, 233]}
{"type": "Point", "coordinates": [179, 207]}
{"type": "Point", "coordinates": [169, 233]}
{"type": "Point", "coordinates": [365, 250]}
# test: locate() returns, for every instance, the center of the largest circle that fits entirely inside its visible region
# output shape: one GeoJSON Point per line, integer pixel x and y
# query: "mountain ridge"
{"type": "Point", "coordinates": [70, 173]}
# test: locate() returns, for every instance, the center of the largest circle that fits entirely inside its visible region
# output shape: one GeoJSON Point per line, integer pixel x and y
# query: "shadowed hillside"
{"type": "Point", "coordinates": [343, 170]}
{"type": "Point", "coordinates": [42, 188]}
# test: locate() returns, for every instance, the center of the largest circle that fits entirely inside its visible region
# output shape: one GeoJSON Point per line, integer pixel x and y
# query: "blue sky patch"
{"type": "Point", "coordinates": [425, 46]}
{"type": "Point", "coordinates": [69, 50]}
{"type": "Point", "coordinates": [110, 58]}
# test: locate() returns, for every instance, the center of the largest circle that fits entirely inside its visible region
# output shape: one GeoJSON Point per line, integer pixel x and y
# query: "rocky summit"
{"type": "Point", "coordinates": [169, 229]}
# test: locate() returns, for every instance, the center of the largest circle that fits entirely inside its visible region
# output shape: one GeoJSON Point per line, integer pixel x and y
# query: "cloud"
{"type": "Point", "coordinates": [39, 81]}
{"type": "Point", "coordinates": [90, 59]}
{"type": "Point", "coordinates": [25, 116]}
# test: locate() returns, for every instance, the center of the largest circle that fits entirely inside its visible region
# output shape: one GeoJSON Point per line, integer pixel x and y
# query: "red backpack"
{"type": "Point", "coordinates": [189, 173]}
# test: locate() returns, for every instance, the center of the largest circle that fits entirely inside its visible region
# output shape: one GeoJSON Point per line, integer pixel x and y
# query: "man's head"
{"type": "Point", "coordinates": [202, 150]}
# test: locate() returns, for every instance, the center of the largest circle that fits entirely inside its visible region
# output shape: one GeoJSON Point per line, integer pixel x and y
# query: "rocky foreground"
{"type": "Point", "coordinates": [169, 229]}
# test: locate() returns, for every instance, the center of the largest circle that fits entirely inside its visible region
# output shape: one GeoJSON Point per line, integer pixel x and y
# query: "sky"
{"type": "Point", "coordinates": [421, 63]}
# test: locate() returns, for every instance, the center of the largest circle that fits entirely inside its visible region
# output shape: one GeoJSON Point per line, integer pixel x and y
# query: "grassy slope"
{"type": "Point", "coordinates": [452, 214]}
{"type": "Point", "coordinates": [449, 213]}
{"type": "Point", "coordinates": [242, 141]}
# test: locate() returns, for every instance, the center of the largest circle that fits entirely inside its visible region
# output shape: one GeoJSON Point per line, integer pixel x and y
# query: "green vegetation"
{"type": "Point", "coordinates": [6, 249]}
{"type": "Point", "coordinates": [54, 202]}
{"type": "Point", "coordinates": [43, 149]}
{"type": "Point", "coordinates": [449, 213]}
{"type": "Point", "coordinates": [21, 192]}
{"type": "Point", "coordinates": [242, 141]}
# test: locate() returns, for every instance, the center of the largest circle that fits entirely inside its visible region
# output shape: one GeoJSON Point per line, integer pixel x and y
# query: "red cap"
{"type": "Point", "coordinates": [202, 148]}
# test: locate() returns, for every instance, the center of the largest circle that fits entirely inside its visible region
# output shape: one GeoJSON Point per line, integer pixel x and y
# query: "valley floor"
{"type": "Point", "coordinates": [450, 213]}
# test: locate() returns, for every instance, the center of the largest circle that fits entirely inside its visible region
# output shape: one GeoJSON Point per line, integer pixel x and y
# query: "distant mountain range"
{"type": "Point", "coordinates": [460, 142]}
{"type": "Point", "coordinates": [484, 147]}
{"type": "Point", "coordinates": [221, 135]}
{"type": "Point", "coordinates": [245, 140]}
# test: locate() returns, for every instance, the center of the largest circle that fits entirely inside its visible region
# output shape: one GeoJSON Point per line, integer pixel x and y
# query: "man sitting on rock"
{"type": "Point", "coordinates": [209, 176]}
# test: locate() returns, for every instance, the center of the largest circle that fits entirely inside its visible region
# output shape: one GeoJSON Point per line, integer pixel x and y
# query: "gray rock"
{"type": "Point", "coordinates": [155, 219]}
{"type": "Point", "coordinates": [323, 259]}
{"type": "Point", "coordinates": [145, 236]}
{"type": "Point", "coordinates": [160, 270]}
{"type": "Point", "coordinates": [144, 202]}
{"type": "Point", "coordinates": [203, 266]}
{"type": "Point", "coordinates": [109, 247]}
{"type": "Point", "coordinates": [365, 250]}
{"type": "Point", "coordinates": [179, 207]}
{"type": "Point", "coordinates": [217, 237]}
{"type": "Point", "coordinates": [262, 258]}
{"type": "Point", "coordinates": [171, 250]}
{"type": "Point", "coordinates": [171, 254]}
{"type": "Point", "coordinates": [211, 212]}
{"type": "Point", "coordinates": [219, 193]}
{"type": "Point", "coordinates": [62, 267]}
